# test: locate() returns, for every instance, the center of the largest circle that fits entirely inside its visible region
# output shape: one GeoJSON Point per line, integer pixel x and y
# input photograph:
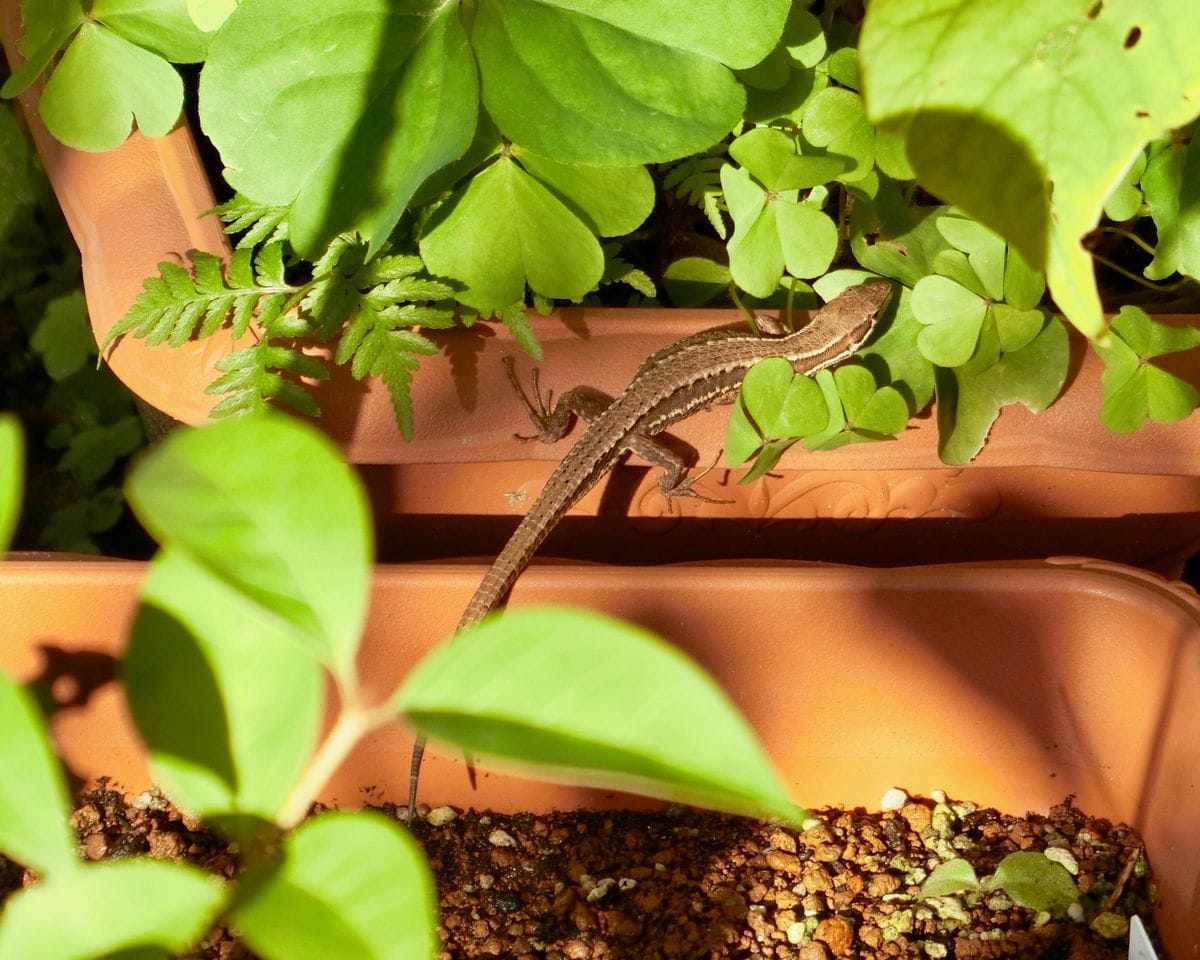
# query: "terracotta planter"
{"type": "Point", "coordinates": [1011, 685]}
{"type": "Point", "coordinates": [1060, 484]}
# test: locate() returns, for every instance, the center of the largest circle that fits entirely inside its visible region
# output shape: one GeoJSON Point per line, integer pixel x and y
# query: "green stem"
{"type": "Point", "coordinates": [746, 311]}
{"type": "Point", "coordinates": [1131, 237]}
{"type": "Point", "coordinates": [1148, 284]}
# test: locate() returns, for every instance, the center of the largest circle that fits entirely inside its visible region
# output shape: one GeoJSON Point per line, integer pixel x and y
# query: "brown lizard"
{"type": "Point", "coordinates": [694, 373]}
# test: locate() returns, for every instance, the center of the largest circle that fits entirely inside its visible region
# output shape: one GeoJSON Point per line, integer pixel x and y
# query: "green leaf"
{"type": "Point", "coordinates": [836, 121]}
{"type": "Point", "coordinates": [221, 741]}
{"type": "Point", "coordinates": [770, 156]}
{"type": "Point", "coordinates": [985, 251]}
{"type": "Point", "coordinates": [948, 878]}
{"type": "Point", "coordinates": [63, 336]}
{"type": "Point", "coordinates": [208, 15]}
{"type": "Point", "coordinates": [807, 236]}
{"type": "Point", "coordinates": [1026, 114]}
{"type": "Point", "coordinates": [255, 375]}
{"type": "Point", "coordinates": [782, 403]}
{"type": "Point", "coordinates": [611, 200]}
{"type": "Point", "coordinates": [12, 469]}
{"type": "Point", "coordinates": [391, 88]}
{"type": "Point", "coordinates": [505, 229]}
{"type": "Point", "coordinates": [348, 885]}
{"type": "Point", "coordinates": [895, 358]}
{"type": "Point", "coordinates": [1135, 389]}
{"type": "Point", "coordinates": [1035, 881]}
{"type": "Point", "coordinates": [267, 505]}
{"type": "Point", "coordinates": [906, 250]}
{"type": "Point", "coordinates": [970, 401]}
{"type": "Point", "coordinates": [589, 81]}
{"type": "Point", "coordinates": [34, 806]}
{"type": "Point", "coordinates": [1172, 185]}
{"type": "Point", "coordinates": [695, 281]}
{"type": "Point", "coordinates": [162, 26]}
{"type": "Point", "coordinates": [697, 180]}
{"type": "Point", "coordinates": [1024, 287]}
{"type": "Point", "coordinates": [869, 407]}
{"type": "Point", "coordinates": [115, 906]}
{"type": "Point", "coordinates": [591, 700]}
{"type": "Point", "coordinates": [103, 85]}
{"type": "Point", "coordinates": [48, 26]}
{"type": "Point", "coordinates": [1125, 202]}
{"type": "Point", "coordinates": [952, 317]}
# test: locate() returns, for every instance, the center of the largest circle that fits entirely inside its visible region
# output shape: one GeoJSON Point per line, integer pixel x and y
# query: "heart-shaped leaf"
{"type": "Point", "coordinates": [504, 230]}
{"type": "Point", "coordinates": [1033, 375]}
{"type": "Point", "coordinates": [695, 281]}
{"type": "Point", "coordinates": [103, 85]}
{"type": "Point", "coordinates": [894, 357]}
{"type": "Point", "coordinates": [952, 317]}
{"type": "Point", "coordinates": [208, 15]}
{"type": "Point", "coordinates": [612, 201]}
{"type": "Point", "coordinates": [163, 26]}
{"type": "Point", "coordinates": [590, 81]}
{"type": "Point", "coordinates": [868, 412]}
{"type": "Point", "coordinates": [590, 700]}
{"type": "Point", "coordinates": [949, 878]}
{"type": "Point", "coordinates": [770, 156]}
{"type": "Point", "coordinates": [348, 885]}
{"type": "Point", "coordinates": [1016, 327]}
{"type": "Point", "coordinates": [984, 250]}
{"type": "Point", "coordinates": [807, 236]}
{"type": "Point", "coordinates": [1024, 287]}
{"type": "Point", "coordinates": [836, 121]}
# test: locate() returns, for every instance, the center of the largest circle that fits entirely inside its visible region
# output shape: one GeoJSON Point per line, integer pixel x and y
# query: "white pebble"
{"type": "Point", "coordinates": [626, 883]}
{"type": "Point", "coordinates": [795, 932]}
{"type": "Point", "coordinates": [501, 838]}
{"type": "Point", "coordinates": [485, 881]}
{"type": "Point", "coordinates": [600, 890]}
{"type": "Point", "coordinates": [1065, 857]}
{"type": "Point", "coordinates": [1075, 912]}
{"type": "Point", "coordinates": [938, 796]}
{"type": "Point", "coordinates": [894, 799]}
{"type": "Point", "coordinates": [440, 816]}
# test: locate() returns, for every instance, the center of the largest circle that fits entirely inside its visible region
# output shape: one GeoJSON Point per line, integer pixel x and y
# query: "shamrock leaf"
{"type": "Point", "coordinates": [103, 85]}
{"type": "Point", "coordinates": [774, 232]}
{"type": "Point", "coordinates": [505, 229]}
{"type": "Point", "coordinates": [836, 121]}
{"type": "Point", "coordinates": [771, 157]}
{"type": "Point", "coordinates": [953, 317]}
{"type": "Point", "coordinates": [895, 357]}
{"type": "Point", "coordinates": [1134, 388]}
{"type": "Point", "coordinates": [984, 251]}
{"type": "Point", "coordinates": [969, 397]}
{"type": "Point", "coordinates": [1172, 185]}
{"type": "Point", "coordinates": [860, 411]}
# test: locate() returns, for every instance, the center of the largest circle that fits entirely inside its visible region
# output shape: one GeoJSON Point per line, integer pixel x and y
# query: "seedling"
{"type": "Point", "coordinates": [264, 572]}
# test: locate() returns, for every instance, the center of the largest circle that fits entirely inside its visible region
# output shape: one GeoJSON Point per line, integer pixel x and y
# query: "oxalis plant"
{"type": "Point", "coordinates": [398, 167]}
{"type": "Point", "coordinates": [252, 608]}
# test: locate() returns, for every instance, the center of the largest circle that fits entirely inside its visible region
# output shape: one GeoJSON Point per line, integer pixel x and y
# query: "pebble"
{"type": "Point", "coordinates": [814, 951]}
{"type": "Point", "coordinates": [781, 862]}
{"type": "Point", "coordinates": [501, 838]}
{"type": "Point", "coordinates": [918, 815]}
{"type": "Point", "coordinates": [837, 934]}
{"type": "Point", "coordinates": [1063, 856]}
{"type": "Point", "coordinates": [440, 816]}
{"type": "Point", "coordinates": [893, 800]}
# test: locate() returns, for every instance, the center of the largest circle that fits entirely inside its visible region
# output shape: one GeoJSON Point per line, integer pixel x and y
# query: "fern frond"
{"type": "Point", "coordinates": [255, 375]}
{"type": "Point", "coordinates": [257, 222]}
{"type": "Point", "coordinates": [516, 318]}
{"type": "Point", "coordinates": [177, 305]}
{"type": "Point", "coordinates": [617, 270]}
{"type": "Point", "coordinates": [375, 348]}
{"type": "Point", "coordinates": [697, 180]}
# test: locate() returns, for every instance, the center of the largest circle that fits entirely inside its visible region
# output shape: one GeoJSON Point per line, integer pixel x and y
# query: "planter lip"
{"type": "Point", "coordinates": [122, 240]}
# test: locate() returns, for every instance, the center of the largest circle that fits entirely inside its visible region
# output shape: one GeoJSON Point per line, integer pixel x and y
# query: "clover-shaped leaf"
{"type": "Point", "coordinates": [103, 85]}
{"type": "Point", "coordinates": [836, 121]}
{"type": "Point", "coordinates": [773, 232]}
{"type": "Point", "coordinates": [771, 157]}
{"type": "Point", "coordinates": [611, 201]}
{"type": "Point", "coordinates": [984, 251]}
{"type": "Point", "coordinates": [860, 410]}
{"type": "Point", "coordinates": [895, 357]}
{"type": "Point", "coordinates": [504, 230]}
{"type": "Point", "coordinates": [1134, 388]}
{"type": "Point", "coordinates": [1172, 186]}
{"type": "Point", "coordinates": [953, 317]}
{"type": "Point", "coordinates": [970, 397]}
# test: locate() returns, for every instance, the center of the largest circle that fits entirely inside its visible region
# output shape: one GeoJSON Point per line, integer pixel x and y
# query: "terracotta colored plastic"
{"type": "Point", "coordinates": [1012, 685]}
{"type": "Point", "coordinates": [461, 485]}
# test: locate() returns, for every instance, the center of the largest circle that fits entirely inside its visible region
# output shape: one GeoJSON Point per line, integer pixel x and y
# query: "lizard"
{"type": "Point", "coordinates": [694, 373]}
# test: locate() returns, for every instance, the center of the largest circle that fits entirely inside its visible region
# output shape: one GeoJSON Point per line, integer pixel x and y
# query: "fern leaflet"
{"type": "Point", "coordinates": [176, 305]}
{"type": "Point", "coordinates": [252, 376]}
{"type": "Point", "coordinates": [697, 180]}
{"type": "Point", "coordinates": [257, 222]}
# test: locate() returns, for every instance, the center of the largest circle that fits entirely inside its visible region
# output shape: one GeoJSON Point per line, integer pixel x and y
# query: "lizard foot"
{"type": "Point", "coordinates": [683, 486]}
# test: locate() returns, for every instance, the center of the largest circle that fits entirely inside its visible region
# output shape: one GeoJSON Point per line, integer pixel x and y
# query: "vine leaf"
{"type": "Point", "coordinates": [1135, 389]}
{"type": "Point", "coordinates": [176, 305]}
{"type": "Point", "coordinates": [1017, 138]}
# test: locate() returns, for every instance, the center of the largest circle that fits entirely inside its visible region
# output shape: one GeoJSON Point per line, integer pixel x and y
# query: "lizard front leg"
{"type": "Point", "coordinates": [552, 420]}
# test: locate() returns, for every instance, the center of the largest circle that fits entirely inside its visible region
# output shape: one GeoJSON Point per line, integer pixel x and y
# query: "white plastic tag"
{"type": "Point", "coordinates": [1139, 943]}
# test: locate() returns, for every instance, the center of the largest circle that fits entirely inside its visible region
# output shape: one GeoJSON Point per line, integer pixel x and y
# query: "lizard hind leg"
{"type": "Point", "coordinates": [674, 481]}
{"type": "Point", "coordinates": [553, 420]}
